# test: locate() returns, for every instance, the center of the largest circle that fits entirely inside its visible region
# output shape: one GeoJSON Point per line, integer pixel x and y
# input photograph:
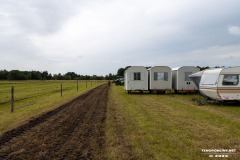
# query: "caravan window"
{"type": "Point", "coordinates": [230, 79]}
{"type": "Point", "coordinates": [187, 76]}
{"type": "Point", "coordinates": [137, 76]}
{"type": "Point", "coordinates": [160, 76]}
{"type": "Point", "coordinates": [209, 79]}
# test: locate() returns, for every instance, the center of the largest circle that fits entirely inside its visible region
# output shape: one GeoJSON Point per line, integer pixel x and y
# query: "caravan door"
{"type": "Point", "coordinates": [189, 85]}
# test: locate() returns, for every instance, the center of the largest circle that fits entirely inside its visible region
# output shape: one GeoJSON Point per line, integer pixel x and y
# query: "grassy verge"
{"type": "Point", "coordinates": [33, 98]}
{"type": "Point", "coordinates": [169, 127]}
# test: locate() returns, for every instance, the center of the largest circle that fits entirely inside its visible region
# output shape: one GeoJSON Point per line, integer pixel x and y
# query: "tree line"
{"type": "Point", "coordinates": [37, 75]}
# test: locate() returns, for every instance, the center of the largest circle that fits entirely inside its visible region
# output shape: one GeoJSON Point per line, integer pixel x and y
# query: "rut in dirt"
{"type": "Point", "coordinates": [72, 131]}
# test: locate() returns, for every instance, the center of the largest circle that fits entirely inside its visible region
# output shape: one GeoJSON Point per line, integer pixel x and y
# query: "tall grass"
{"type": "Point", "coordinates": [32, 98]}
{"type": "Point", "coordinates": [173, 127]}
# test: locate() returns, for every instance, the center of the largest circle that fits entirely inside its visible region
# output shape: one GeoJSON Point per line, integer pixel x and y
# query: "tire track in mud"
{"type": "Point", "coordinates": [72, 131]}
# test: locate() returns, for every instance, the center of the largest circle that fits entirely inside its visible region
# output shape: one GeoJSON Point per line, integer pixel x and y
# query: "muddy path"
{"type": "Point", "coordinates": [72, 131]}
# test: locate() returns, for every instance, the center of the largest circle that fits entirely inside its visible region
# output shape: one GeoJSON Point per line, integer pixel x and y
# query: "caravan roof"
{"type": "Point", "coordinates": [177, 68]}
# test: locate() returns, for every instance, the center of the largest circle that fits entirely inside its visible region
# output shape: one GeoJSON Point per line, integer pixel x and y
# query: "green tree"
{"type": "Point", "coordinates": [3, 74]}
{"type": "Point", "coordinates": [36, 75]}
{"type": "Point", "coordinates": [44, 75]}
{"type": "Point", "coordinates": [120, 72]}
{"type": "Point", "coordinates": [203, 68]}
{"type": "Point", "coordinates": [72, 75]}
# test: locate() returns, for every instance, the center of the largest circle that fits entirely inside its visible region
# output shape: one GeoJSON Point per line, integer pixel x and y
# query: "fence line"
{"type": "Point", "coordinates": [25, 93]}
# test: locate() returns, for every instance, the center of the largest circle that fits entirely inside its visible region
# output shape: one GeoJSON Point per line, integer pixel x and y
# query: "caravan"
{"type": "Point", "coordinates": [181, 81]}
{"type": "Point", "coordinates": [219, 83]}
{"type": "Point", "coordinates": [136, 79]}
{"type": "Point", "coordinates": [160, 79]}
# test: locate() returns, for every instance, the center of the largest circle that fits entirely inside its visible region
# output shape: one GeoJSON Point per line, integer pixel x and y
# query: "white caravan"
{"type": "Point", "coordinates": [160, 79]}
{"type": "Point", "coordinates": [219, 83]}
{"type": "Point", "coordinates": [181, 81]}
{"type": "Point", "coordinates": [136, 79]}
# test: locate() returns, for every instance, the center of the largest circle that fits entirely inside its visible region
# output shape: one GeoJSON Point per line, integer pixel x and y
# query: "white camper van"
{"type": "Point", "coordinates": [136, 79]}
{"type": "Point", "coordinates": [181, 81]}
{"type": "Point", "coordinates": [219, 83]}
{"type": "Point", "coordinates": [160, 79]}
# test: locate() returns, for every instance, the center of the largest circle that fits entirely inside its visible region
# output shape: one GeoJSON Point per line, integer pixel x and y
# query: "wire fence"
{"type": "Point", "coordinates": [15, 95]}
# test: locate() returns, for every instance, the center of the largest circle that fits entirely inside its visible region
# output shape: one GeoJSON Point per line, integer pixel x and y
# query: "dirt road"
{"type": "Point", "coordinates": [72, 131]}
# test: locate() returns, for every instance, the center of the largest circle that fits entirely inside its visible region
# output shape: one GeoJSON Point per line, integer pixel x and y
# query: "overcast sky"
{"type": "Point", "coordinates": [100, 36]}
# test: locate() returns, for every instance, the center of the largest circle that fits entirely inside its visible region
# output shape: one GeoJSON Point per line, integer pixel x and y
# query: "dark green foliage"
{"type": "Point", "coordinates": [120, 72]}
{"type": "Point", "coordinates": [207, 67]}
{"type": "Point", "coordinates": [203, 68]}
{"type": "Point", "coordinates": [37, 75]}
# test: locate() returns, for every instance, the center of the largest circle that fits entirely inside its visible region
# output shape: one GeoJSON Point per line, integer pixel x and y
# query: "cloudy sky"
{"type": "Point", "coordinates": [100, 36]}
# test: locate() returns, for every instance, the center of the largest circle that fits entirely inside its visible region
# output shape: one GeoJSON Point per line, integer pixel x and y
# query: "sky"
{"type": "Point", "coordinates": [97, 37]}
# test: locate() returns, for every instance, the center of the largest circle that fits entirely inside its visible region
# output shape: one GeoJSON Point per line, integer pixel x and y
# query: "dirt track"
{"type": "Point", "coordinates": [72, 131]}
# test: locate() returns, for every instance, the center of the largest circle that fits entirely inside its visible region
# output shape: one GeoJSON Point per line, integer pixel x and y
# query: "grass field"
{"type": "Point", "coordinates": [138, 126]}
{"type": "Point", "coordinates": [144, 126]}
{"type": "Point", "coordinates": [33, 98]}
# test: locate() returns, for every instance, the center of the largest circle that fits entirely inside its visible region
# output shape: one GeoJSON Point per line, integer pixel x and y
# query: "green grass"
{"type": "Point", "coordinates": [32, 98]}
{"type": "Point", "coordinates": [171, 127]}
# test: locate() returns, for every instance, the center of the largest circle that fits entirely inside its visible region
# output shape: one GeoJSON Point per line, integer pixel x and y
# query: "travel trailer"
{"type": "Point", "coordinates": [219, 83]}
{"type": "Point", "coordinates": [160, 79]}
{"type": "Point", "coordinates": [136, 79]}
{"type": "Point", "coordinates": [181, 81]}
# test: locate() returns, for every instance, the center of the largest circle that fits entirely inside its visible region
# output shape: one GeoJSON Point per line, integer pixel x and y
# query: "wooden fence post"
{"type": "Point", "coordinates": [77, 85]}
{"type": "Point", "coordinates": [12, 99]}
{"type": "Point", "coordinates": [61, 89]}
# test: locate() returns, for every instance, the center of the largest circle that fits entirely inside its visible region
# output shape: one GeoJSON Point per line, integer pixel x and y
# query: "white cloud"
{"type": "Point", "coordinates": [105, 30]}
{"type": "Point", "coordinates": [228, 55]}
{"type": "Point", "coordinates": [100, 36]}
{"type": "Point", "coordinates": [234, 30]}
